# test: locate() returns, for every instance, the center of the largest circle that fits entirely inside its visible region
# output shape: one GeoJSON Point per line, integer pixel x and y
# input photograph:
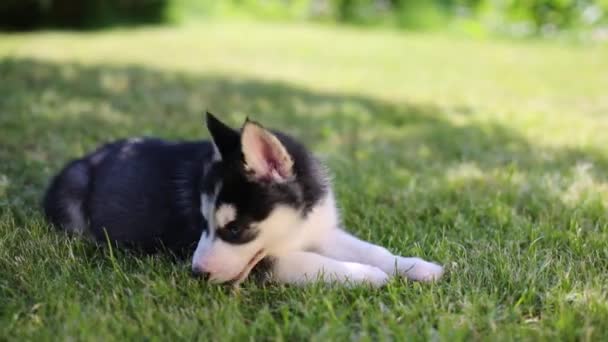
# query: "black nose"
{"type": "Point", "coordinates": [199, 273]}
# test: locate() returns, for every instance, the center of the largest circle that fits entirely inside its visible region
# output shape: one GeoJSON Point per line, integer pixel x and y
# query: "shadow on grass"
{"type": "Point", "coordinates": [518, 225]}
{"type": "Point", "coordinates": [51, 112]}
{"type": "Point", "coordinates": [477, 196]}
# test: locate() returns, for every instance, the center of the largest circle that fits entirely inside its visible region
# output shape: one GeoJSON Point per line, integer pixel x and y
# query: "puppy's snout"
{"type": "Point", "coordinates": [199, 272]}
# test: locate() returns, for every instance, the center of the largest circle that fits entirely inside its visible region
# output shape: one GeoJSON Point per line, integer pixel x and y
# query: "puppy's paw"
{"type": "Point", "coordinates": [368, 275]}
{"type": "Point", "coordinates": [422, 270]}
{"type": "Point", "coordinates": [376, 277]}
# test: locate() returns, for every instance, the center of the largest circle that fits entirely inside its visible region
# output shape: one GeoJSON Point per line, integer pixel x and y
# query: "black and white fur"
{"type": "Point", "coordinates": [245, 196]}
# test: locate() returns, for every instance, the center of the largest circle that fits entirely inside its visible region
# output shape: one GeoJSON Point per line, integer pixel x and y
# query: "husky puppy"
{"type": "Point", "coordinates": [247, 195]}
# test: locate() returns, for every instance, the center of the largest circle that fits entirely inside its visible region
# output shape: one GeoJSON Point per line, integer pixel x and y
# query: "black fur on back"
{"type": "Point", "coordinates": [141, 192]}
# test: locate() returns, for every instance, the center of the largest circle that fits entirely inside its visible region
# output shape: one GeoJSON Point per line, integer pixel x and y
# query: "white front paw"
{"type": "Point", "coordinates": [423, 271]}
{"type": "Point", "coordinates": [376, 277]}
{"type": "Point", "coordinates": [367, 274]}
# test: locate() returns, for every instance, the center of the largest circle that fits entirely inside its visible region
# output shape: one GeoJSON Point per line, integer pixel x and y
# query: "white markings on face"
{"type": "Point", "coordinates": [204, 244]}
{"type": "Point", "coordinates": [225, 261]}
{"type": "Point", "coordinates": [206, 206]}
{"type": "Point", "coordinates": [282, 231]}
{"type": "Point", "coordinates": [275, 229]}
{"type": "Point", "coordinates": [216, 154]}
{"type": "Point", "coordinates": [225, 214]}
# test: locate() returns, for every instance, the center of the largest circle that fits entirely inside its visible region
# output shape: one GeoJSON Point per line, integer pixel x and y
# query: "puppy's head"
{"type": "Point", "coordinates": [257, 191]}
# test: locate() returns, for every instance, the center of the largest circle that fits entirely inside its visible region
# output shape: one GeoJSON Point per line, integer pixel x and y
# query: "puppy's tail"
{"type": "Point", "coordinates": [65, 200]}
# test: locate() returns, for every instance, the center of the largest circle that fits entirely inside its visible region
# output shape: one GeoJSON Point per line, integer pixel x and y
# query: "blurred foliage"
{"type": "Point", "coordinates": [511, 17]}
{"type": "Point", "coordinates": [31, 14]}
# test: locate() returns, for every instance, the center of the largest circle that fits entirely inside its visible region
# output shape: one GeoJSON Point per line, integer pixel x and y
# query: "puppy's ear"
{"type": "Point", "coordinates": [226, 140]}
{"type": "Point", "coordinates": [265, 157]}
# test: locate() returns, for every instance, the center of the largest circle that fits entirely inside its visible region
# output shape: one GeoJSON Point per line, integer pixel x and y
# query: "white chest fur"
{"type": "Point", "coordinates": [302, 234]}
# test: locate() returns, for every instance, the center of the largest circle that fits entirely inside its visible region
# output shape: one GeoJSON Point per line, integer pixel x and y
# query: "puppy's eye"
{"type": "Point", "coordinates": [236, 232]}
{"type": "Point", "coordinates": [233, 229]}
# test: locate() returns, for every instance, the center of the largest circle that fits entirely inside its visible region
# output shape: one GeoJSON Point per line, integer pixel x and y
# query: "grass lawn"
{"type": "Point", "coordinates": [488, 157]}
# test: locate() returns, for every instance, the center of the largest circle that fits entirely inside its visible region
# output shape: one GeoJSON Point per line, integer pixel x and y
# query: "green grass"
{"type": "Point", "coordinates": [488, 157]}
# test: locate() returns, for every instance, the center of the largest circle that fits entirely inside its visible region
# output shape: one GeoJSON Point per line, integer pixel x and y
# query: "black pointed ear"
{"type": "Point", "coordinates": [265, 157]}
{"type": "Point", "coordinates": [225, 139]}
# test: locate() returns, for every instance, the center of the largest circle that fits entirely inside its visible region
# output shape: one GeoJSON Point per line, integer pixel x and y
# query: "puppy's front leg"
{"type": "Point", "coordinates": [306, 267]}
{"type": "Point", "coordinates": [343, 246]}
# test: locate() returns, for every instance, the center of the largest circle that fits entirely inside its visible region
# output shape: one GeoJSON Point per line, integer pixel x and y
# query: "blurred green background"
{"type": "Point", "coordinates": [519, 18]}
